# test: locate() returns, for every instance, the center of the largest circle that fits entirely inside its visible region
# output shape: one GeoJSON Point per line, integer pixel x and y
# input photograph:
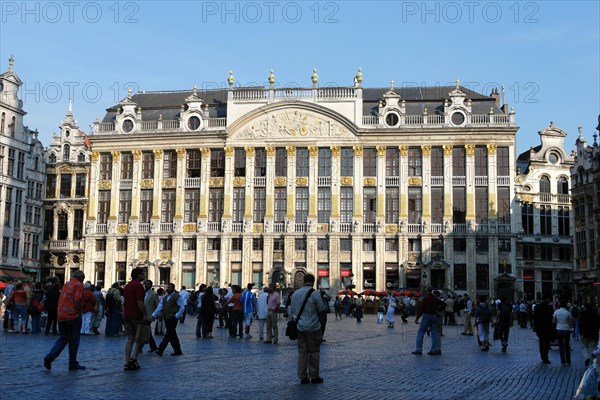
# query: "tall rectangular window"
{"type": "Point", "coordinates": [437, 161]}
{"type": "Point", "coordinates": [459, 159]}
{"type": "Point", "coordinates": [37, 214]}
{"type": "Point", "coordinates": [80, 180]}
{"type": "Point", "coordinates": [239, 162]}
{"type": "Point", "coordinates": [564, 228]}
{"type": "Point", "coordinates": [459, 205]}
{"type": "Point", "coordinates": [169, 164]}
{"type": "Point", "coordinates": [415, 205]}
{"type": "Point", "coordinates": [48, 224]}
{"type": "Point", "coordinates": [50, 186]}
{"type": "Point", "coordinates": [280, 204]}
{"type": "Point", "coordinates": [10, 168]}
{"type": "Point", "coordinates": [369, 161]}
{"type": "Point", "coordinates": [324, 204]}
{"type": "Point", "coordinates": [301, 204]}
{"type": "Point", "coordinates": [147, 165]}
{"type": "Point", "coordinates": [103, 206]}
{"type": "Point", "coordinates": [392, 161]}
{"type": "Point", "coordinates": [191, 206]}
{"type": "Point", "coordinates": [260, 204]}
{"type": "Point", "coordinates": [260, 162]}
{"type": "Point", "coordinates": [217, 162]}
{"type": "Point", "coordinates": [481, 204]}
{"type": "Point", "coordinates": [460, 277]}
{"type": "Point", "coordinates": [392, 205]}
{"type": "Point", "coordinates": [65, 185]}
{"type": "Point", "coordinates": [527, 218]}
{"type": "Point", "coordinates": [126, 166]}
{"type": "Point", "coordinates": [437, 205]}
{"type": "Point", "coordinates": [502, 161]}
{"type": "Point", "coordinates": [481, 161]}
{"type": "Point", "coordinates": [369, 205]}
{"type": "Point", "coordinates": [7, 206]}
{"type": "Point", "coordinates": [215, 205]}
{"type": "Point", "coordinates": [280, 162]}
{"type": "Point", "coordinates": [124, 206]}
{"type": "Point", "coordinates": [239, 204]}
{"type": "Point", "coordinates": [545, 220]}
{"type": "Point", "coordinates": [193, 162]}
{"type": "Point", "coordinates": [347, 159]}
{"type": "Point", "coordinates": [78, 225]}
{"type": "Point", "coordinates": [482, 276]}
{"type": "Point", "coordinates": [21, 165]}
{"type": "Point", "coordinates": [503, 205]}
{"type": "Point", "coordinates": [145, 205]}
{"type": "Point", "coordinates": [106, 166]}
{"type": "Point", "coordinates": [415, 161]}
{"type": "Point", "coordinates": [324, 161]}
{"type": "Point", "coordinates": [302, 160]}
{"type": "Point", "coordinates": [346, 204]}
{"type": "Point", "coordinates": [18, 205]}
{"type": "Point", "coordinates": [167, 206]}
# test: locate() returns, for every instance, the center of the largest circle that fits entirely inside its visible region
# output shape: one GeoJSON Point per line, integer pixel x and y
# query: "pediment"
{"type": "Point", "coordinates": [292, 122]}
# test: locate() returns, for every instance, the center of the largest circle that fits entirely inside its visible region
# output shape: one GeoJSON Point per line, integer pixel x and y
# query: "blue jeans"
{"type": "Point", "coordinates": [199, 325]}
{"type": "Point", "coordinates": [564, 347]}
{"type": "Point", "coordinates": [69, 334]}
{"type": "Point", "coordinates": [22, 311]}
{"type": "Point", "coordinates": [35, 323]}
{"type": "Point", "coordinates": [427, 321]}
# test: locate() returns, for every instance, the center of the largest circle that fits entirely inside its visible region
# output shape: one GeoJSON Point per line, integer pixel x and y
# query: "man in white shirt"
{"type": "Point", "coordinates": [185, 295]}
{"type": "Point", "coordinates": [261, 311]}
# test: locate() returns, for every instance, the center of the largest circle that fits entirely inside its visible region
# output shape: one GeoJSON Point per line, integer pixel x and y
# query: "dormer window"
{"type": "Point", "coordinates": [553, 158]}
{"type": "Point", "coordinates": [67, 133]}
{"type": "Point", "coordinates": [392, 119]}
{"type": "Point", "coordinates": [52, 158]}
{"type": "Point", "coordinates": [457, 118]}
{"type": "Point", "coordinates": [193, 123]}
{"type": "Point", "coordinates": [81, 157]}
{"type": "Point", "coordinates": [127, 125]}
{"type": "Point", "coordinates": [66, 152]}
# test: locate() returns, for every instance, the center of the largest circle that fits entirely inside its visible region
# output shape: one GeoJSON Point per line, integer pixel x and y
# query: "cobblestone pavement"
{"type": "Point", "coordinates": [358, 361]}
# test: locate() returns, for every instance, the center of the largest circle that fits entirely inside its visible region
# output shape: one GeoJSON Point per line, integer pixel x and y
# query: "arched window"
{"type": "Point", "coordinates": [544, 184]}
{"type": "Point", "coordinates": [12, 126]}
{"type": "Point", "coordinates": [52, 158]}
{"type": "Point", "coordinates": [563, 185]}
{"type": "Point", "coordinates": [81, 157]}
{"type": "Point", "coordinates": [36, 163]}
{"type": "Point", "coordinates": [66, 152]}
{"type": "Point", "coordinates": [2, 122]}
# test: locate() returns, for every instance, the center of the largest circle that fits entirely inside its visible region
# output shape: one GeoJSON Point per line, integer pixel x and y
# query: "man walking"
{"type": "Point", "coordinates": [309, 330]}
{"type": "Point", "coordinates": [262, 311]}
{"type": "Point", "coordinates": [51, 306]}
{"type": "Point", "coordinates": [589, 324]}
{"type": "Point", "coordinates": [428, 309]}
{"type": "Point", "coordinates": [185, 296]}
{"type": "Point", "coordinates": [171, 307]}
{"type": "Point", "coordinates": [248, 303]}
{"type": "Point", "coordinates": [543, 327]}
{"type": "Point", "coordinates": [134, 314]}
{"type": "Point", "coordinates": [69, 322]}
{"type": "Point", "coordinates": [468, 313]}
{"type": "Point", "coordinates": [273, 302]}
{"type": "Point", "coordinates": [151, 303]}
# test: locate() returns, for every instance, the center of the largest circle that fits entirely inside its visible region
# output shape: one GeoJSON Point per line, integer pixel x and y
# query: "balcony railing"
{"type": "Point", "coordinates": [346, 227]}
{"type": "Point", "coordinates": [237, 227]}
{"type": "Point", "coordinates": [192, 182]}
{"type": "Point", "coordinates": [504, 228]}
{"type": "Point", "coordinates": [126, 183]}
{"type": "Point", "coordinates": [459, 180]}
{"type": "Point", "coordinates": [459, 228]}
{"type": "Point", "coordinates": [214, 226]}
{"type": "Point", "coordinates": [369, 228]}
{"type": "Point", "coordinates": [437, 228]}
{"type": "Point", "coordinates": [481, 181]}
{"type": "Point", "coordinates": [160, 125]}
{"type": "Point", "coordinates": [546, 197]}
{"type": "Point", "coordinates": [144, 227]}
{"type": "Point", "coordinates": [260, 181]}
{"type": "Point", "coordinates": [437, 181]}
{"type": "Point", "coordinates": [482, 227]}
{"type": "Point", "coordinates": [300, 227]}
{"type": "Point", "coordinates": [503, 180]}
{"type": "Point", "coordinates": [414, 228]}
{"type": "Point", "coordinates": [392, 181]}
{"type": "Point", "coordinates": [279, 227]}
{"type": "Point", "coordinates": [64, 245]}
{"type": "Point", "coordinates": [166, 227]}
{"type": "Point", "coordinates": [101, 228]}
{"type": "Point", "coordinates": [370, 120]}
{"type": "Point", "coordinates": [324, 181]}
{"type": "Point", "coordinates": [563, 198]}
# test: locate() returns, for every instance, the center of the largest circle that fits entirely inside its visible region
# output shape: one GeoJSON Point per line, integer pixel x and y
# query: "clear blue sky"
{"type": "Point", "coordinates": [545, 52]}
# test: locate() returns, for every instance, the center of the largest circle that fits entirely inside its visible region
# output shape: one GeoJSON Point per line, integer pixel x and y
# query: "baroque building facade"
{"type": "Point", "coordinates": [543, 203]}
{"type": "Point", "coordinates": [66, 198]}
{"type": "Point", "coordinates": [585, 180]}
{"type": "Point", "coordinates": [383, 188]}
{"type": "Point", "coordinates": [21, 184]}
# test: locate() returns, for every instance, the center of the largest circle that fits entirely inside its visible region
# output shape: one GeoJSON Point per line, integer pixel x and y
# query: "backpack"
{"type": "Point", "coordinates": [485, 314]}
{"type": "Point", "coordinates": [575, 312]}
{"type": "Point", "coordinates": [110, 300]}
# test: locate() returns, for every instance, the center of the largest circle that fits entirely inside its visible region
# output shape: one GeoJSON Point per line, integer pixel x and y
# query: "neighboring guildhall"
{"type": "Point", "coordinates": [134, 314]}
{"type": "Point", "coordinates": [69, 322]}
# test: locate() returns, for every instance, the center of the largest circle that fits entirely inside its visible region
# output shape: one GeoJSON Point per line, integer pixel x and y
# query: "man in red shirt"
{"type": "Point", "coordinates": [428, 311]}
{"type": "Point", "coordinates": [134, 314]}
{"type": "Point", "coordinates": [69, 322]}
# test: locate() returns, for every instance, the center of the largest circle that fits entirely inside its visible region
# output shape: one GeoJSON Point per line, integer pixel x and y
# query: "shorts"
{"type": "Point", "coordinates": [248, 318]}
{"type": "Point", "coordinates": [131, 326]}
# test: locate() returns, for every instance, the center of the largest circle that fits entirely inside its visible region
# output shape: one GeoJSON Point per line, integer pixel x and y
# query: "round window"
{"type": "Point", "coordinates": [392, 119]}
{"type": "Point", "coordinates": [458, 118]}
{"type": "Point", "coordinates": [193, 123]}
{"type": "Point", "coordinates": [553, 158]}
{"type": "Point", "coordinates": [127, 125]}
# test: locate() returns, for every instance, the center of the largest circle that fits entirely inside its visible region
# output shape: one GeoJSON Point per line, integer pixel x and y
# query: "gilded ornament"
{"type": "Point", "coordinates": [142, 255]}
{"type": "Point", "coordinates": [447, 149]}
{"type": "Point", "coordinates": [380, 150]}
{"type": "Point", "coordinates": [94, 156]}
{"type": "Point", "coordinates": [271, 78]}
{"type": "Point", "coordinates": [258, 228]}
{"type": "Point", "coordinates": [104, 184]}
{"type": "Point", "coordinates": [335, 150]}
{"type": "Point", "coordinates": [280, 181]}
{"type": "Point", "coordinates": [137, 155]}
{"type": "Point", "coordinates": [359, 76]}
{"type": "Point", "coordinates": [270, 151]}
{"type": "Point", "coordinates": [491, 148]}
{"type": "Point", "coordinates": [239, 181]}
{"type": "Point", "coordinates": [313, 151]}
{"type": "Point", "coordinates": [229, 151]}
{"type": "Point", "coordinates": [391, 228]}
{"type": "Point", "coordinates": [470, 149]}
{"type": "Point", "coordinates": [122, 228]}
{"type": "Point", "coordinates": [414, 181]}
{"type": "Point", "coordinates": [426, 150]}
{"type": "Point", "coordinates": [157, 154]}
{"type": "Point", "coordinates": [346, 181]}
{"type": "Point", "coordinates": [323, 228]}
{"type": "Point", "coordinates": [358, 151]}
{"type": "Point", "coordinates": [116, 156]}
{"type": "Point", "coordinates": [147, 183]}
{"type": "Point", "coordinates": [169, 182]}
{"type": "Point", "coordinates": [527, 198]}
{"type": "Point", "coordinates": [165, 255]}
{"type": "Point", "coordinates": [291, 150]}
{"type": "Point", "coordinates": [314, 77]}
{"type": "Point", "coordinates": [216, 181]}
{"type": "Point", "coordinates": [403, 150]}
{"type": "Point", "coordinates": [180, 153]}
{"type": "Point", "coordinates": [189, 228]}
{"type": "Point", "coordinates": [302, 181]}
{"type": "Point", "coordinates": [230, 79]}
{"type": "Point", "coordinates": [205, 152]}
{"type": "Point", "coordinates": [370, 181]}
{"type": "Point", "coordinates": [249, 151]}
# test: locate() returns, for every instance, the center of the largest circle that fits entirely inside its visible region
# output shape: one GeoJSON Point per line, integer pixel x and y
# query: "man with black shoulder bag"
{"type": "Point", "coordinates": [305, 309]}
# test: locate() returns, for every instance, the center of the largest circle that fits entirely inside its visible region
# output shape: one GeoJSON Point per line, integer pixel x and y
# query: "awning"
{"type": "Point", "coordinates": [12, 273]}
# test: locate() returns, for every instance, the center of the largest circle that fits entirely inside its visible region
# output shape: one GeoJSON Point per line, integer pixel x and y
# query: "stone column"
{"type": "Point", "coordinates": [180, 188]}
{"type": "Point", "coordinates": [380, 237]}
{"type": "Point", "coordinates": [313, 153]}
{"type": "Point", "coordinates": [93, 186]}
{"type": "Point", "coordinates": [470, 150]}
{"type": "Point", "coordinates": [135, 187]}
{"type": "Point", "coordinates": [228, 183]}
{"type": "Point", "coordinates": [204, 180]}
{"type": "Point", "coordinates": [115, 184]}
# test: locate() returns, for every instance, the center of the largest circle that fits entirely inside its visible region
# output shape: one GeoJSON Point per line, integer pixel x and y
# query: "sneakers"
{"type": "Point", "coordinates": [48, 363]}
{"type": "Point", "coordinates": [76, 367]}
{"type": "Point", "coordinates": [247, 336]}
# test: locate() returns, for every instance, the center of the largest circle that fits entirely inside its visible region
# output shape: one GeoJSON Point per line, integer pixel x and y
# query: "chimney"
{"type": "Point", "coordinates": [496, 96]}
